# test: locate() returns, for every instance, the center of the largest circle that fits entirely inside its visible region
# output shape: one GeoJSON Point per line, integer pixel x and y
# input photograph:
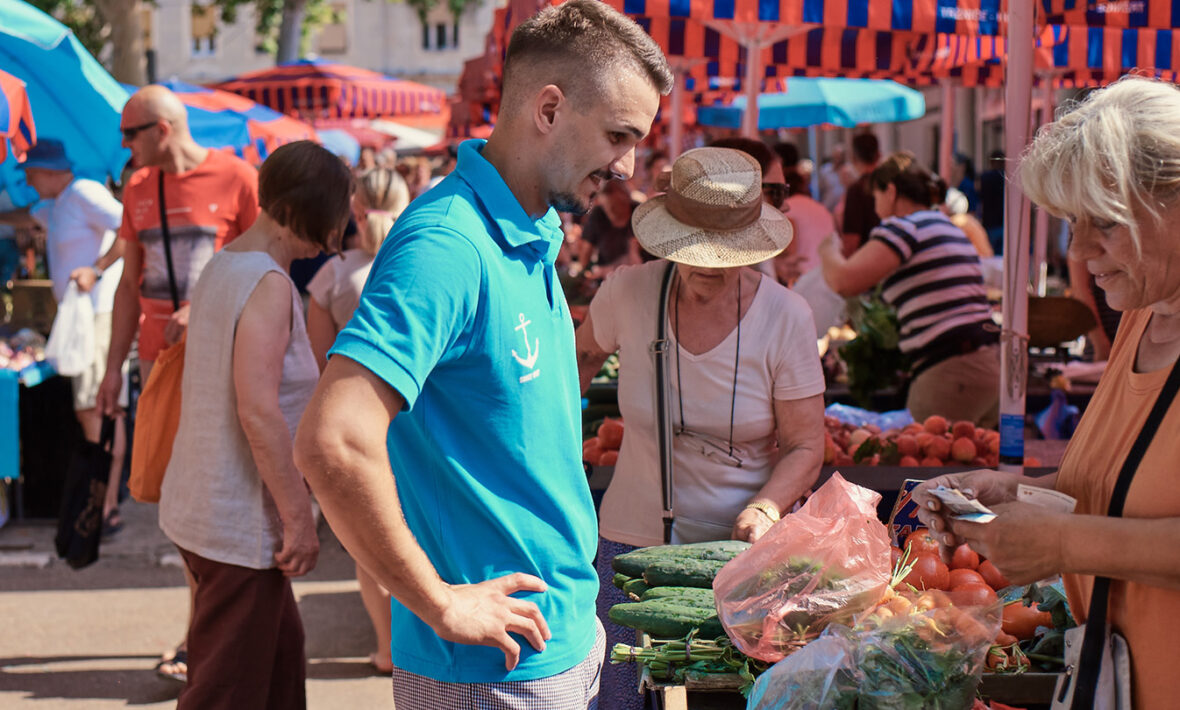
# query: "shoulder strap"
{"type": "Point", "coordinates": [1094, 640]}
{"type": "Point", "coordinates": [659, 350]}
{"type": "Point", "coordinates": [168, 248]}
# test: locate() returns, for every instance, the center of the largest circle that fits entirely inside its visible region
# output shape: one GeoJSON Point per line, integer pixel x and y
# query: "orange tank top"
{"type": "Point", "coordinates": [1148, 616]}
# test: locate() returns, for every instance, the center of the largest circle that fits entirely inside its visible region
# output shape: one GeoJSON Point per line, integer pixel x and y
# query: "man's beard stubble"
{"type": "Point", "coordinates": [568, 202]}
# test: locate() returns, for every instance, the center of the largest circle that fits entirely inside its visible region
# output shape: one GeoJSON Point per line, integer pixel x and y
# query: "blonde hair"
{"type": "Point", "coordinates": [1110, 157]}
{"type": "Point", "coordinates": [383, 193]}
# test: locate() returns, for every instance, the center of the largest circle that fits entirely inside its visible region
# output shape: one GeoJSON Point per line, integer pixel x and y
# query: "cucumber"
{"type": "Point", "coordinates": [620, 580]}
{"type": "Point", "coordinates": [682, 573]}
{"type": "Point", "coordinates": [635, 587]}
{"type": "Point", "coordinates": [663, 619]}
{"type": "Point", "coordinates": [691, 596]}
{"type": "Point", "coordinates": [635, 562]}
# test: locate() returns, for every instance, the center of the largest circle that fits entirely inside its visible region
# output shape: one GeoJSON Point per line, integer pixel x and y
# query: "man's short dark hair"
{"type": "Point", "coordinates": [307, 189]}
{"type": "Point", "coordinates": [788, 154]}
{"type": "Point", "coordinates": [581, 45]}
{"type": "Point", "coordinates": [866, 149]}
{"type": "Point", "coordinates": [752, 147]}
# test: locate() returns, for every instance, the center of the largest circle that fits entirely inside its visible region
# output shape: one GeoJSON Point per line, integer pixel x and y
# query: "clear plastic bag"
{"type": "Point", "coordinates": [71, 340]}
{"type": "Point", "coordinates": [924, 658]}
{"type": "Point", "coordinates": [821, 675]}
{"type": "Point", "coordinates": [928, 659]}
{"type": "Point", "coordinates": [817, 566]}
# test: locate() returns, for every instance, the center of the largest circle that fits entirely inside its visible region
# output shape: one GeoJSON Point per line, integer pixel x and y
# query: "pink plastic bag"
{"type": "Point", "coordinates": [822, 564]}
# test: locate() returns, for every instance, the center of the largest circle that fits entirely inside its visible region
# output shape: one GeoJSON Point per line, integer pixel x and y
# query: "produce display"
{"type": "Point", "coordinates": [933, 442]}
{"type": "Point", "coordinates": [603, 449]}
{"type": "Point", "coordinates": [26, 347]}
{"type": "Point", "coordinates": [922, 643]}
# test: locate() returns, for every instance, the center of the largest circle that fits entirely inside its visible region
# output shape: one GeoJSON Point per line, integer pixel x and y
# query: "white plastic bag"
{"type": "Point", "coordinates": [71, 341]}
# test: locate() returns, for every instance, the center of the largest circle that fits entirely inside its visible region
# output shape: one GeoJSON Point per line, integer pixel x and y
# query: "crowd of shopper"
{"type": "Point", "coordinates": [437, 332]}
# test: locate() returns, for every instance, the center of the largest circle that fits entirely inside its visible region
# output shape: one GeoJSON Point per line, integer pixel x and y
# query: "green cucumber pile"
{"type": "Point", "coordinates": [671, 592]}
{"type": "Point", "coordinates": [672, 588]}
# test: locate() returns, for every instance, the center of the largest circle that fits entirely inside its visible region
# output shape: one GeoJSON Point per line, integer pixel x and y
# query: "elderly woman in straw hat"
{"type": "Point", "coordinates": [746, 385]}
{"type": "Point", "coordinates": [1111, 166]}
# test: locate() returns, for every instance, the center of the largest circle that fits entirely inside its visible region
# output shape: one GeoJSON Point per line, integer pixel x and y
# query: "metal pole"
{"type": "Point", "coordinates": [946, 138]}
{"type": "Point", "coordinates": [753, 86]}
{"type": "Point", "coordinates": [1014, 341]}
{"type": "Point", "coordinates": [813, 148]}
{"type": "Point", "coordinates": [676, 120]}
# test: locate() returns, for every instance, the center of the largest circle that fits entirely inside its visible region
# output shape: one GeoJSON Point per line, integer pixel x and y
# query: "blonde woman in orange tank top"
{"type": "Point", "coordinates": [1111, 166]}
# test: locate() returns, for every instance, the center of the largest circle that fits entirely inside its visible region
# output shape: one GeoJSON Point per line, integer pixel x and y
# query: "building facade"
{"type": "Point", "coordinates": [192, 45]}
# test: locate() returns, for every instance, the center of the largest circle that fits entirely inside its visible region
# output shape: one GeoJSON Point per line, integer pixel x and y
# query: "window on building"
{"type": "Point", "coordinates": [333, 37]}
{"type": "Point", "coordinates": [204, 30]}
{"type": "Point", "coordinates": [440, 31]}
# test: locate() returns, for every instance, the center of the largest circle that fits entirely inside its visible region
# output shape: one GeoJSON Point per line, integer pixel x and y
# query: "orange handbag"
{"type": "Point", "coordinates": [156, 422]}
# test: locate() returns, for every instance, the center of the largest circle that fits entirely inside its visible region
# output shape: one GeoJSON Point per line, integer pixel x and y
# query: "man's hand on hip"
{"type": "Point", "coordinates": [483, 614]}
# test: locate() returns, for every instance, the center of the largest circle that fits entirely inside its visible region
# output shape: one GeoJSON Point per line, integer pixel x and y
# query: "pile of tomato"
{"type": "Point", "coordinates": [972, 580]}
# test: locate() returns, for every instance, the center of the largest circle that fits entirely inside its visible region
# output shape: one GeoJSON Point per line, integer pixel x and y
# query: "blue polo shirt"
{"type": "Point", "coordinates": [463, 315]}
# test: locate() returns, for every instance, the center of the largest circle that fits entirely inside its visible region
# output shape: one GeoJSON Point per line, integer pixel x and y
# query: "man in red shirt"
{"type": "Point", "coordinates": [209, 198]}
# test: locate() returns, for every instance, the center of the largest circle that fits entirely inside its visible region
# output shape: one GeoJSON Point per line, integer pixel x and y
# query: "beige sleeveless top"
{"type": "Point", "coordinates": [213, 501]}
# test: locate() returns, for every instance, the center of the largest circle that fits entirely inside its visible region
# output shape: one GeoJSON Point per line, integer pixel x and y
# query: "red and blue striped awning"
{"type": "Point", "coordinates": [266, 129]}
{"type": "Point", "coordinates": [927, 16]}
{"type": "Point", "coordinates": [16, 117]}
{"type": "Point", "coordinates": [312, 89]}
{"type": "Point", "coordinates": [1114, 14]}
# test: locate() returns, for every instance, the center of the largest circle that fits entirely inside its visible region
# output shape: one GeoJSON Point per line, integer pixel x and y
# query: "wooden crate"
{"type": "Point", "coordinates": [33, 305]}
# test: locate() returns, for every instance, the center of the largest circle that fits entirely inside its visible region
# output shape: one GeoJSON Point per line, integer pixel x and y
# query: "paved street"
{"type": "Point", "coordinates": [90, 639]}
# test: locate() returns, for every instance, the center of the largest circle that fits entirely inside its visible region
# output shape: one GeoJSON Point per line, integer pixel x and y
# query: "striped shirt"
{"type": "Point", "coordinates": [939, 284]}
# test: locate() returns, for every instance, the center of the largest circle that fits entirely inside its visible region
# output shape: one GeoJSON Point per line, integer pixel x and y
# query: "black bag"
{"type": "Point", "coordinates": [79, 525]}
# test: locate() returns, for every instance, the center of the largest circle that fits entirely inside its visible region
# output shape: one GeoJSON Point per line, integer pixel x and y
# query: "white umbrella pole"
{"type": "Point", "coordinates": [946, 139]}
{"type": "Point", "coordinates": [1041, 235]}
{"type": "Point", "coordinates": [753, 86]}
{"type": "Point", "coordinates": [1014, 341]}
{"type": "Point", "coordinates": [676, 120]}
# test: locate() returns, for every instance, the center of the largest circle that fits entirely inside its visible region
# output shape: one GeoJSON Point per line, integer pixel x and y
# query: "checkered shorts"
{"type": "Point", "coordinates": [575, 689]}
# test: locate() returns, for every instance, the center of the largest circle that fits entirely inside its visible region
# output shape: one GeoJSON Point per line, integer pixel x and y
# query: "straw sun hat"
{"type": "Point", "coordinates": [712, 215]}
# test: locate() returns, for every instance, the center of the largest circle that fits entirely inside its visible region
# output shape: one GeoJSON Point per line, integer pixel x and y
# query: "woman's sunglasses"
{"type": "Point", "coordinates": [775, 193]}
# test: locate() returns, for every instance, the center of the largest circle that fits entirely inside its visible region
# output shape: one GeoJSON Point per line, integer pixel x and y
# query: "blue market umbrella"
{"type": "Point", "coordinates": [817, 101]}
{"type": "Point", "coordinates": [73, 97]}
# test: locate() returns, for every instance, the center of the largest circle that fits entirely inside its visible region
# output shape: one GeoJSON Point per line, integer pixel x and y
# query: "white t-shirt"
{"type": "Point", "coordinates": [337, 286]}
{"type": "Point", "coordinates": [80, 226]}
{"type": "Point", "coordinates": [778, 360]}
{"type": "Point", "coordinates": [813, 223]}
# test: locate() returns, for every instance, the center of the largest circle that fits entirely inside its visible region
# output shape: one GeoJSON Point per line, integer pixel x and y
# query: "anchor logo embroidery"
{"type": "Point", "coordinates": [531, 349]}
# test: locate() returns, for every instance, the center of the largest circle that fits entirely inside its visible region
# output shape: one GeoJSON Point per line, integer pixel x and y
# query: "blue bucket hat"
{"type": "Point", "coordinates": [47, 154]}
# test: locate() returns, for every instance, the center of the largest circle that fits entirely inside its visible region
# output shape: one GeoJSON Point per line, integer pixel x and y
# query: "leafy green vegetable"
{"type": "Point", "coordinates": [873, 359]}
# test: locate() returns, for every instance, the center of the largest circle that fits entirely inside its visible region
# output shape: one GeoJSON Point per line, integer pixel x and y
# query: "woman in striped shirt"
{"type": "Point", "coordinates": [928, 270]}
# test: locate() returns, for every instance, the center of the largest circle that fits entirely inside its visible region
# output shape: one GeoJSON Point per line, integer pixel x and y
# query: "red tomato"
{"type": "Point", "coordinates": [894, 555]}
{"type": "Point", "coordinates": [965, 558]}
{"type": "Point", "coordinates": [928, 573]}
{"type": "Point", "coordinates": [610, 434]}
{"type": "Point", "coordinates": [959, 577]}
{"type": "Point", "coordinates": [992, 576]}
{"type": "Point", "coordinates": [921, 542]}
{"type": "Point", "coordinates": [972, 595]}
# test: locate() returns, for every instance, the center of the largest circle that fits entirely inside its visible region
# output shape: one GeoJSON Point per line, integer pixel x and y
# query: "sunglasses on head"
{"type": "Point", "coordinates": [131, 132]}
{"type": "Point", "coordinates": [776, 193]}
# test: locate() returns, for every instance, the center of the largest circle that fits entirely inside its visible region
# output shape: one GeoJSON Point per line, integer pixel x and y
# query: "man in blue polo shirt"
{"type": "Point", "coordinates": [444, 439]}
